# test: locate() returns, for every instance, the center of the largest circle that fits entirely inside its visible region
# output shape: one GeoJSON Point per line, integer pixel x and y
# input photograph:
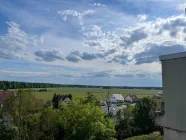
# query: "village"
{"type": "Point", "coordinates": [111, 105]}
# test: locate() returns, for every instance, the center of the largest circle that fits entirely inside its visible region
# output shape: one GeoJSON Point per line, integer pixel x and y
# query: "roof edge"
{"type": "Point", "coordinates": [172, 56]}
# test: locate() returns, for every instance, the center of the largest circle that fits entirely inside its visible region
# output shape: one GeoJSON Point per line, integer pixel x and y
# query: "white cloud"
{"type": "Point", "coordinates": [73, 13]}
{"type": "Point", "coordinates": [16, 41]}
{"type": "Point", "coordinates": [143, 38]}
{"type": "Point", "coordinates": [142, 17]}
{"type": "Point", "coordinates": [181, 7]}
{"type": "Point", "coordinates": [98, 4]}
{"type": "Point", "coordinates": [23, 73]}
{"type": "Point", "coordinates": [49, 55]}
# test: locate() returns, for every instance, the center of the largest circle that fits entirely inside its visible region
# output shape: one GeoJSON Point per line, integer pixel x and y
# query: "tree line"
{"type": "Point", "coordinates": [4, 85]}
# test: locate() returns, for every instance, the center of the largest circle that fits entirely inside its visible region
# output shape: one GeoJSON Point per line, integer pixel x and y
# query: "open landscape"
{"type": "Point", "coordinates": [98, 92]}
{"type": "Point", "coordinates": [92, 69]}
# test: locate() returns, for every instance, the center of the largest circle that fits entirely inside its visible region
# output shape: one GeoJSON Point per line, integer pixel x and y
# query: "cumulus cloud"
{"type": "Point", "coordinates": [121, 59]}
{"type": "Point", "coordinates": [173, 24]}
{"type": "Point", "coordinates": [92, 43]}
{"type": "Point", "coordinates": [88, 56]}
{"type": "Point", "coordinates": [49, 55]}
{"type": "Point", "coordinates": [184, 30]}
{"type": "Point", "coordinates": [80, 15]}
{"type": "Point", "coordinates": [14, 41]}
{"type": "Point", "coordinates": [142, 17]}
{"type": "Point", "coordinates": [76, 56]}
{"type": "Point", "coordinates": [73, 57]}
{"type": "Point", "coordinates": [93, 31]}
{"type": "Point", "coordinates": [142, 43]}
{"type": "Point", "coordinates": [152, 53]}
{"type": "Point", "coordinates": [98, 4]}
{"type": "Point", "coordinates": [181, 7]}
{"type": "Point", "coordinates": [135, 36]}
{"type": "Point", "coordinates": [110, 51]}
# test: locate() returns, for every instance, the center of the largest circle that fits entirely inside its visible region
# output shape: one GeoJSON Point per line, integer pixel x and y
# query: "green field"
{"type": "Point", "coordinates": [98, 92]}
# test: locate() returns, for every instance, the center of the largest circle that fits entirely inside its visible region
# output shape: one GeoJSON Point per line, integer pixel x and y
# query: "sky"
{"type": "Point", "coordinates": [91, 42]}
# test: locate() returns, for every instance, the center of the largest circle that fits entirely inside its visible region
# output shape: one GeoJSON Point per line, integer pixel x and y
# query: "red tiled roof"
{"type": "Point", "coordinates": [5, 94]}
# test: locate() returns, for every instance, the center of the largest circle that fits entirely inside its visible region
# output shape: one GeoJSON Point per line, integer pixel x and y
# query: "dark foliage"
{"type": "Point", "coordinates": [4, 85]}
{"type": "Point", "coordinates": [141, 121]}
{"type": "Point", "coordinates": [57, 98]}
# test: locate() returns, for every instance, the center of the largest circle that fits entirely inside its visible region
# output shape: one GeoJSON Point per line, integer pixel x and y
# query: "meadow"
{"type": "Point", "coordinates": [98, 92]}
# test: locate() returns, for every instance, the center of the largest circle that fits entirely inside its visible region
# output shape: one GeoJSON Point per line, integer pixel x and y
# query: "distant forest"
{"type": "Point", "coordinates": [4, 85]}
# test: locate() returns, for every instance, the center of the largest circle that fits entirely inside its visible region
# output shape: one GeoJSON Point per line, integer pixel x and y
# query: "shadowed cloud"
{"type": "Point", "coordinates": [152, 53]}
{"type": "Point", "coordinates": [49, 55]}
{"type": "Point", "coordinates": [135, 36]}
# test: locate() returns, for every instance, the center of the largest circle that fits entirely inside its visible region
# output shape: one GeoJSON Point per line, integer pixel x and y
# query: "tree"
{"type": "Point", "coordinates": [22, 108]}
{"type": "Point", "coordinates": [144, 115]}
{"type": "Point", "coordinates": [125, 126]}
{"type": "Point", "coordinates": [86, 121]}
{"type": "Point", "coordinates": [90, 98]}
{"type": "Point", "coordinates": [69, 96]}
{"type": "Point", "coordinates": [55, 100]}
{"type": "Point", "coordinates": [6, 133]}
{"type": "Point", "coordinates": [51, 125]}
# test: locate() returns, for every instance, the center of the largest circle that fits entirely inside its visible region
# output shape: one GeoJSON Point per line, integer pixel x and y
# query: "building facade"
{"type": "Point", "coordinates": [174, 95]}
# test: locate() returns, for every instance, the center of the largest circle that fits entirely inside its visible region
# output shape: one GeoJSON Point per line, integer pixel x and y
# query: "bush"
{"type": "Point", "coordinates": [147, 137]}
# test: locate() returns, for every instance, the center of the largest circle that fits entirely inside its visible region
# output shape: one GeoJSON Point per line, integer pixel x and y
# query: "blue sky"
{"type": "Point", "coordinates": [97, 42]}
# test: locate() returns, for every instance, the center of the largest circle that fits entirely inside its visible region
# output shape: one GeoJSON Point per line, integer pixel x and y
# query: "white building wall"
{"type": "Point", "coordinates": [113, 99]}
{"type": "Point", "coordinates": [174, 95]}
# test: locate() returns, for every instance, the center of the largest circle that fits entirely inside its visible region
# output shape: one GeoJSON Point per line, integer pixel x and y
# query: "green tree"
{"type": "Point", "coordinates": [125, 125]}
{"type": "Point", "coordinates": [6, 133]}
{"type": "Point", "coordinates": [90, 98]}
{"type": "Point", "coordinates": [86, 122]}
{"type": "Point", "coordinates": [144, 115]}
{"type": "Point", "coordinates": [51, 125]}
{"type": "Point", "coordinates": [55, 101]}
{"type": "Point", "coordinates": [22, 108]}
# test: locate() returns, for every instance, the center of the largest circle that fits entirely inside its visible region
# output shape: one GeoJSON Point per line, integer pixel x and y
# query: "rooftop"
{"type": "Point", "coordinates": [118, 96]}
{"type": "Point", "coordinates": [172, 56]}
{"type": "Point", "coordinates": [134, 97]}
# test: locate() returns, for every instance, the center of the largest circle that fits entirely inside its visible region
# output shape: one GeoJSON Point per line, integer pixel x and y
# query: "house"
{"type": "Point", "coordinates": [65, 99]}
{"type": "Point", "coordinates": [131, 99]}
{"type": "Point", "coordinates": [5, 95]}
{"type": "Point", "coordinates": [113, 109]}
{"type": "Point", "coordinates": [172, 116]}
{"type": "Point", "coordinates": [116, 98]}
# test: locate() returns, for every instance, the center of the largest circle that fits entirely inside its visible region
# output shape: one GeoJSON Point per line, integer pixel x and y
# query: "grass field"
{"type": "Point", "coordinates": [98, 92]}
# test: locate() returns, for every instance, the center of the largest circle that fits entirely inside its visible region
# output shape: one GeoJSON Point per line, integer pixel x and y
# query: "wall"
{"type": "Point", "coordinates": [113, 99]}
{"type": "Point", "coordinates": [174, 92]}
{"type": "Point", "coordinates": [173, 135]}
